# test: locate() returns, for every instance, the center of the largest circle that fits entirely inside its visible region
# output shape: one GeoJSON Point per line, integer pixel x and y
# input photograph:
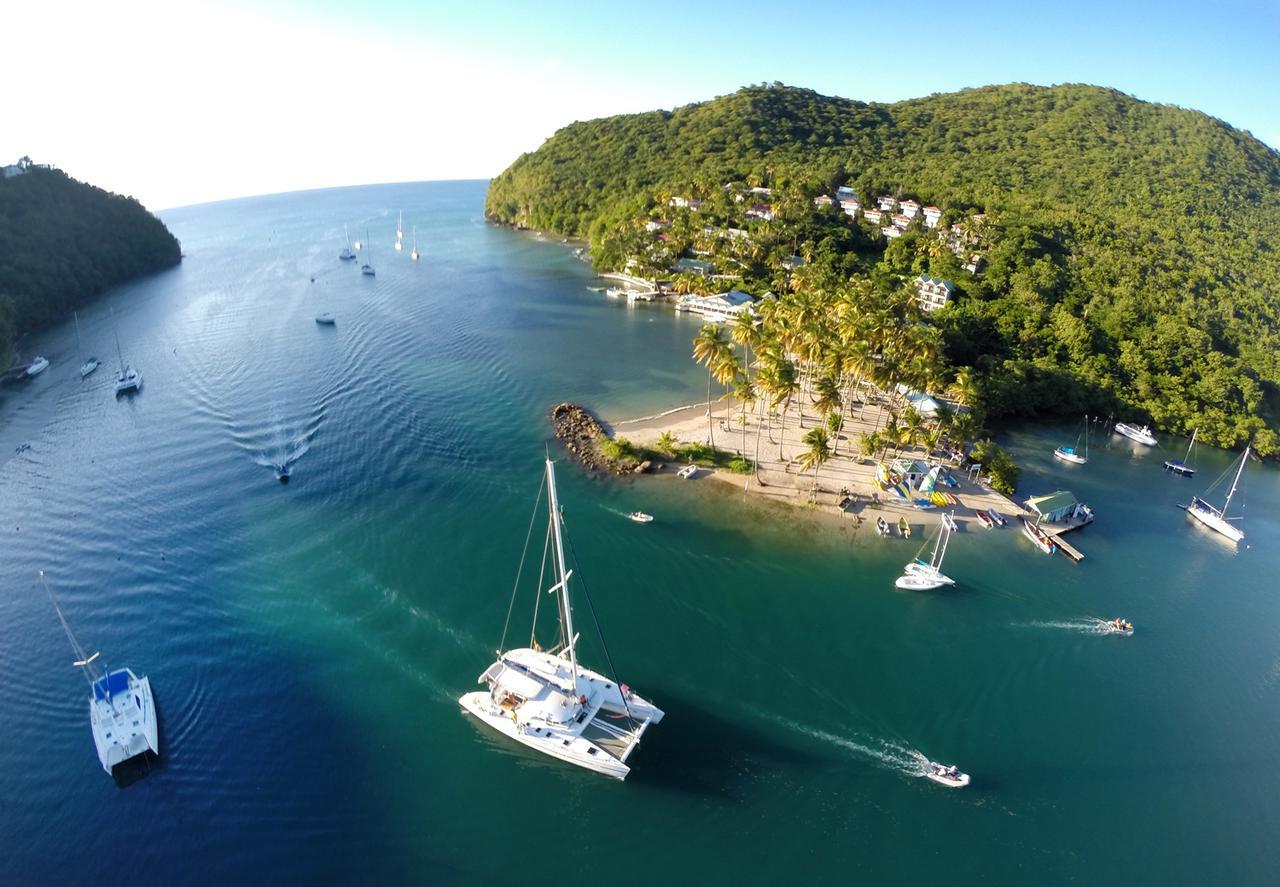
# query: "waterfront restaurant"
{"type": "Point", "coordinates": [1059, 507]}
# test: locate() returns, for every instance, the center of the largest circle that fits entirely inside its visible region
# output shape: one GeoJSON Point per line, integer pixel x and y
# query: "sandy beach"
{"type": "Point", "coordinates": [779, 475]}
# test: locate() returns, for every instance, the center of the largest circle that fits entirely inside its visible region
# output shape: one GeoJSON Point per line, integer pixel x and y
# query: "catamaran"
{"type": "Point", "coordinates": [90, 363]}
{"type": "Point", "coordinates": [367, 268]}
{"type": "Point", "coordinates": [1072, 454]}
{"type": "Point", "coordinates": [122, 712]}
{"type": "Point", "coordinates": [546, 700]}
{"type": "Point", "coordinates": [1142, 435]}
{"type": "Point", "coordinates": [414, 255]}
{"type": "Point", "coordinates": [127, 378]}
{"type": "Point", "coordinates": [1214, 518]}
{"type": "Point", "coordinates": [400, 232]}
{"type": "Point", "coordinates": [1182, 466]}
{"type": "Point", "coordinates": [920, 576]}
{"type": "Point", "coordinates": [346, 255]}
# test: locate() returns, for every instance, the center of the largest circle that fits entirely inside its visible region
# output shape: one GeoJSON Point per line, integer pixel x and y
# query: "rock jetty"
{"type": "Point", "coordinates": [581, 433]}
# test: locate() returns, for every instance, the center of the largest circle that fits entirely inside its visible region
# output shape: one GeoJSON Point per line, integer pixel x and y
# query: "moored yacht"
{"type": "Point", "coordinates": [1216, 518]}
{"type": "Point", "coordinates": [367, 268]}
{"type": "Point", "coordinates": [921, 576]}
{"type": "Point", "coordinates": [347, 255]}
{"type": "Point", "coordinates": [1073, 454]}
{"type": "Point", "coordinates": [1142, 435]}
{"type": "Point", "coordinates": [1182, 467]}
{"type": "Point", "coordinates": [548, 701]}
{"type": "Point", "coordinates": [128, 379]}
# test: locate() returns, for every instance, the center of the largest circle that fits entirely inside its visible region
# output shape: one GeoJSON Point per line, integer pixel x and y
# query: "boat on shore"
{"type": "Point", "coordinates": [948, 775]}
{"type": "Point", "coordinates": [1216, 518]}
{"type": "Point", "coordinates": [882, 526]}
{"type": "Point", "coordinates": [904, 528]}
{"type": "Point", "coordinates": [984, 518]}
{"type": "Point", "coordinates": [548, 701]}
{"type": "Point", "coordinates": [687, 472]}
{"type": "Point", "coordinates": [1042, 540]}
{"type": "Point", "coordinates": [996, 517]}
{"type": "Point", "coordinates": [1182, 467]}
{"type": "Point", "coordinates": [1142, 435]}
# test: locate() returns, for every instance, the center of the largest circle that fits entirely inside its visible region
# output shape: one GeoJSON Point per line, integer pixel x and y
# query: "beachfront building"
{"type": "Point", "coordinates": [700, 267]}
{"type": "Point", "coordinates": [1060, 507]}
{"type": "Point", "coordinates": [719, 308]}
{"type": "Point", "coordinates": [909, 208]}
{"type": "Point", "coordinates": [932, 215]}
{"type": "Point", "coordinates": [886, 203]}
{"type": "Point", "coordinates": [933, 292]}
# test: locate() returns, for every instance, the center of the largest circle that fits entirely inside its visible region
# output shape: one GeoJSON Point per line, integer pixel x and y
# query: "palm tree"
{"type": "Point", "coordinates": [816, 455]}
{"type": "Point", "coordinates": [708, 349]}
{"type": "Point", "coordinates": [666, 444]}
{"type": "Point", "coordinates": [745, 392]}
{"type": "Point", "coordinates": [835, 422]}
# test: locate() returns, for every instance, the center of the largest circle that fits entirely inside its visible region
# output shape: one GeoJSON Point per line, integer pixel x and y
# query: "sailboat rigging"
{"type": "Point", "coordinates": [1183, 466]}
{"type": "Point", "coordinates": [921, 576]}
{"type": "Point", "coordinates": [367, 268]}
{"type": "Point", "coordinates": [127, 378]}
{"type": "Point", "coordinates": [1216, 518]}
{"type": "Point", "coordinates": [1072, 454]}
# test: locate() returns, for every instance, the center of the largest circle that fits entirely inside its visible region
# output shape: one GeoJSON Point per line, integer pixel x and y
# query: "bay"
{"type": "Point", "coordinates": [307, 643]}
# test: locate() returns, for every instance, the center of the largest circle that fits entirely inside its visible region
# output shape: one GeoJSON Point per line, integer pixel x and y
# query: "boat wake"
{"type": "Point", "coordinates": [1083, 626]}
{"type": "Point", "coordinates": [887, 754]}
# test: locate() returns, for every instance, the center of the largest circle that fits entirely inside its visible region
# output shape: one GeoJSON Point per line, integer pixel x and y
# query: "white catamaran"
{"type": "Point", "coordinates": [546, 700]}
{"type": "Point", "coordinates": [122, 712]}
{"type": "Point", "coordinates": [1214, 518]}
{"type": "Point", "coordinates": [920, 576]}
{"type": "Point", "coordinates": [127, 378]}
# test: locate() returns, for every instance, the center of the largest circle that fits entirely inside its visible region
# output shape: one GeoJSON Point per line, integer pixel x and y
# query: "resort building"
{"type": "Point", "coordinates": [933, 292]}
{"type": "Point", "coordinates": [850, 206]}
{"type": "Point", "coordinates": [844, 192]}
{"type": "Point", "coordinates": [761, 211]}
{"type": "Point", "coordinates": [932, 215]}
{"type": "Point", "coordinates": [694, 266]}
{"type": "Point", "coordinates": [762, 192]}
{"type": "Point", "coordinates": [872, 216]}
{"type": "Point", "coordinates": [975, 264]}
{"type": "Point", "coordinates": [1060, 507]}
{"type": "Point", "coordinates": [656, 224]}
{"type": "Point", "coordinates": [909, 208]}
{"type": "Point", "coordinates": [692, 203]}
{"type": "Point", "coordinates": [887, 204]}
{"type": "Point", "coordinates": [791, 263]}
{"type": "Point", "coordinates": [901, 220]}
{"type": "Point", "coordinates": [927, 405]}
{"type": "Point", "coordinates": [824, 200]}
{"type": "Point", "coordinates": [891, 232]}
{"type": "Point", "coordinates": [719, 308]}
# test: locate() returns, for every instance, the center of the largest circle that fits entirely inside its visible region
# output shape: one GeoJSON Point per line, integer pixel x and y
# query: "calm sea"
{"type": "Point", "coordinates": [307, 643]}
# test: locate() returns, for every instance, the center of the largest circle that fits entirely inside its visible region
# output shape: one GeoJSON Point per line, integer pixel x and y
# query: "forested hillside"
{"type": "Point", "coordinates": [62, 242]}
{"type": "Point", "coordinates": [1132, 261]}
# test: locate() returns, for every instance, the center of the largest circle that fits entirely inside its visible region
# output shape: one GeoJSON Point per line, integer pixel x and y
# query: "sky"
{"type": "Point", "coordinates": [178, 102]}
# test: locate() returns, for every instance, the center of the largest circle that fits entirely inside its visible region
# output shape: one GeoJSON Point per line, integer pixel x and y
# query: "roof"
{"type": "Point", "coordinates": [936, 281]}
{"type": "Point", "coordinates": [1055, 501]}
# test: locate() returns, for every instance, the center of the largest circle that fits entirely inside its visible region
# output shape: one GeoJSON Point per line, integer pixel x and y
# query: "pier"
{"type": "Point", "coordinates": [1056, 531]}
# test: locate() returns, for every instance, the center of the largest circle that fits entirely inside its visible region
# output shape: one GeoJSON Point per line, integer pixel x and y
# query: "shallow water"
{"type": "Point", "coordinates": [307, 643]}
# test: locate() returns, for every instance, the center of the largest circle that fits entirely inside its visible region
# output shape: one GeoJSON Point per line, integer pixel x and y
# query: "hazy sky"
{"type": "Point", "coordinates": [182, 102]}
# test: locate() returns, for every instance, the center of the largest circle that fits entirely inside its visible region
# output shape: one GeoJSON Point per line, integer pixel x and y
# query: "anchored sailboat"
{"type": "Point", "coordinates": [1182, 466]}
{"type": "Point", "coordinates": [548, 701]}
{"type": "Point", "coordinates": [414, 255]}
{"type": "Point", "coordinates": [122, 712]}
{"type": "Point", "coordinates": [920, 576]}
{"type": "Point", "coordinates": [346, 255]}
{"type": "Point", "coordinates": [1216, 518]}
{"type": "Point", "coordinates": [367, 268]}
{"type": "Point", "coordinates": [400, 232]}
{"type": "Point", "coordinates": [1072, 454]}
{"type": "Point", "coordinates": [127, 378]}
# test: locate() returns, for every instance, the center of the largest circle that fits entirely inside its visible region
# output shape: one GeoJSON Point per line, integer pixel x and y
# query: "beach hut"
{"type": "Point", "coordinates": [1060, 507]}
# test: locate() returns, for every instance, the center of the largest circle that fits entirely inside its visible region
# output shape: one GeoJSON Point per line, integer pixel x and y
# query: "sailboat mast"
{"type": "Point", "coordinates": [82, 660]}
{"type": "Point", "coordinates": [1194, 432]}
{"type": "Point", "coordinates": [553, 502]}
{"type": "Point", "coordinates": [115, 328]}
{"type": "Point", "coordinates": [946, 537]}
{"type": "Point", "coordinates": [1239, 471]}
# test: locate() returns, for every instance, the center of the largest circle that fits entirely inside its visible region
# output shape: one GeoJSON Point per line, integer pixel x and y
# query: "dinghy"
{"type": "Point", "coordinates": [950, 776]}
{"type": "Point", "coordinates": [640, 517]}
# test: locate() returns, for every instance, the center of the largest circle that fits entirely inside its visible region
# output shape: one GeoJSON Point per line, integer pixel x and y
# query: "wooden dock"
{"type": "Point", "coordinates": [1057, 530]}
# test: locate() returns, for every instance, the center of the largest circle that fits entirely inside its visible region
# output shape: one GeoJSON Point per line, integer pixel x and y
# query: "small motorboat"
{"type": "Point", "coordinates": [640, 517]}
{"type": "Point", "coordinates": [326, 319]}
{"type": "Point", "coordinates": [687, 472]}
{"type": "Point", "coordinates": [38, 366]}
{"type": "Point", "coordinates": [882, 526]}
{"type": "Point", "coordinates": [1069, 454]}
{"type": "Point", "coordinates": [283, 472]}
{"type": "Point", "coordinates": [1119, 626]}
{"type": "Point", "coordinates": [950, 776]}
{"type": "Point", "coordinates": [904, 528]}
{"type": "Point", "coordinates": [996, 516]}
{"type": "Point", "coordinates": [984, 519]}
{"type": "Point", "coordinates": [1042, 540]}
{"type": "Point", "coordinates": [1142, 435]}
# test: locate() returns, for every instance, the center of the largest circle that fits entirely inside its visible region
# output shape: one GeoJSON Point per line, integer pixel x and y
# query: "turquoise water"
{"type": "Point", "coordinates": [307, 643]}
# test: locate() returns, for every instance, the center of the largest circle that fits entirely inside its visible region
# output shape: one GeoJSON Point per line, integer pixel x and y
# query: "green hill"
{"type": "Point", "coordinates": [1133, 262]}
{"type": "Point", "coordinates": [62, 242]}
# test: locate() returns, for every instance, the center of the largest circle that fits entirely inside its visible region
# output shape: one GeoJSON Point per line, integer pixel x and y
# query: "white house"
{"type": "Point", "coordinates": [686, 202]}
{"type": "Point", "coordinates": [891, 232]}
{"type": "Point", "coordinates": [694, 266]}
{"type": "Point", "coordinates": [872, 216]}
{"type": "Point", "coordinates": [761, 211]}
{"type": "Point", "coordinates": [909, 208]}
{"type": "Point", "coordinates": [932, 215]}
{"type": "Point", "coordinates": [887, 203]}
{"type": "Point", "coordinates": [901, 220]}
{"type": "Point", "coordinates": [850, 206]}
{"type": "Point", "coordinates": [823, 200]}
{"type": "Point", "coordinates": [656, 224]}
{"type": "Point", "coordinates": [933, 292]}
{"type": "Point", "coordinates": [719, 308]}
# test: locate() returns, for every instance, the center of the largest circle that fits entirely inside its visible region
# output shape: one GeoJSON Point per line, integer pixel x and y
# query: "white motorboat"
{"type": "Point", "coordinates": [122, 711]}
{"type": "Point", "coordinates": [1072, 454]}
{"type": "Point", "coordinates": [1182, 467]}
{"type": "Point", "coordinates": [640, 517]}
{"type": "Point", "coordinates": [921, 576]}
{"type": "Point", "coordinates": [38, 366]}
{"type": "Point", "coordinates": [546, 700]}
{"type": "Point", "coordinates": [367, 268]}
{"type": "Point", "coordinates": [128, 379]}
{"type": "Point", "coordinates": [687, 472]}
{"type": "Point", "coordinates": [1118, 626]}
{"type": "Point", "coordinates": [1216, 518]}
{"type": "Point", "coordinates": [950, 776]}
{"type": "Point", "coordinates": [1142, 435]}
{"type": "Point", "coordinates": [326, 319]}
{"type": "Point", "coordinates": [91, 363]}
{"type": "Point", "coordinates": [347, 254]}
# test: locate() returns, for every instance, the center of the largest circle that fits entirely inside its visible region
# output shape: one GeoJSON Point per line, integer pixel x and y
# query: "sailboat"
{"type": "Point", "coordinates": [920, 576]}
{"type": "Point", "coordinates": [414, 255]}
{"type": "Point", "coordinates": [400, 232]}
{"type": "Point", "coordinates": [346, 255]}
{"type": "Point", "coordinates": [90, 363]}
{"type": "Point", "coordinates": [1216, 518]}
{"type": "Point", "coordinates": [127, 378]}
{"type": "Point", "coordinates": [1182, 466]}
{"type": "Point", "coordinates": [1072, 454]}
{"type": "Point", "coordinates": [122, 712]}
{"type": "Point", "coordinates": [367, 268]}
{"type": "Point", "coordinates": [547, 700]}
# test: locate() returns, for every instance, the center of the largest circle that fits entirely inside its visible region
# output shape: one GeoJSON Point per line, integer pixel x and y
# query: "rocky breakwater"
{"type": "Point", "coordinates": [585, 438]}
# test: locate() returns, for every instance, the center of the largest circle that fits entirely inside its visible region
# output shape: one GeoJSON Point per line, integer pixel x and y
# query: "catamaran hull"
{"type": "Point", "coordinates": [1215, 523]}
{"type": "Point", "coordinates": [139, 722]}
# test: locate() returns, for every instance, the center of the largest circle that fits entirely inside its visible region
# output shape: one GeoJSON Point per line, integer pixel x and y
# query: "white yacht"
{"type": "Point", "coordinates": [122, 711]}
{"type": "Point", "coordinates": [127, 378]}
{"type": "Point", "coordinates": [546, 700]}
{"type": "Point", "coordinates": [1216, 518]}
{"type": "Point", "coordinates": [1142, 435]}
{"type": "Point", "coordinates": [920, 576]}
{"type": "Point", "coordinates": [91, 363]}
{"type": "Point", "coordinates": [367, 268]}
{"type": "Point", "coordinates": [347, 255]}
{"type": "Point", "coordinates": [38, 366]}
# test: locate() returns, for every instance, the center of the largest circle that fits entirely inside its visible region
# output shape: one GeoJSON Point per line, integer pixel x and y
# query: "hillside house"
{"type": "Point", "coordinates": [933, 292]}
{"type": "Point", "coordinates": [932, 215]}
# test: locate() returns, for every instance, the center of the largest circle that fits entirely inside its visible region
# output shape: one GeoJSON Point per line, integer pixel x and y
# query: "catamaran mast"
{"type": "Point", "coordinates": [83, 661]}
{"type": "Point", "coordinates": [553, 502]}
{"type": "Point", "coordinates": [119, 353]}
{"type": "Point", "coordinates": [1239, 471]}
